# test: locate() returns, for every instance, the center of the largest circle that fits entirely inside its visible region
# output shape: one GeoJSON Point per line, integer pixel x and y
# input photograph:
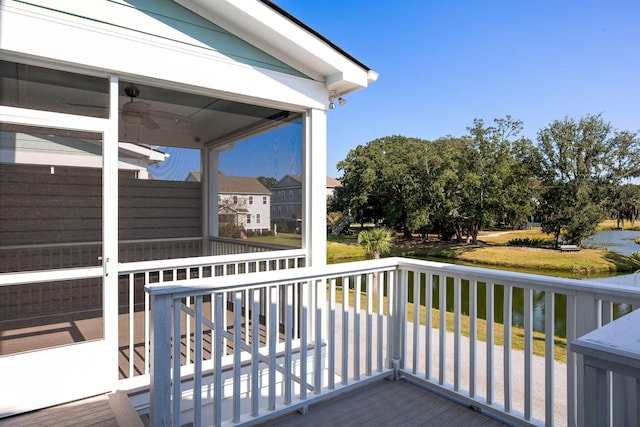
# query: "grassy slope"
{"type": "Point", "coordinates": [494, 252]}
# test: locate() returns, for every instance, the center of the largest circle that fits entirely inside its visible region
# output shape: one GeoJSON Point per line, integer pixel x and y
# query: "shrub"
{"type": "Point", "coordinates": [532, 243]}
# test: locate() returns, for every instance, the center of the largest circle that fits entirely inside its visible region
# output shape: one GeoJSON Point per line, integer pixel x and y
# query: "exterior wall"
{"type": "Point", "coordinates": [286, 204]}
{"type": "Point", "coordinates": [249, 205]}
{"type": "Point", "coordinates": [153, 40]}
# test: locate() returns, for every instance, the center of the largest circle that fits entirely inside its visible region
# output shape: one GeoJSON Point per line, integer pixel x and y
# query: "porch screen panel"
{"type": "Point", "coordinates": [50, 219]}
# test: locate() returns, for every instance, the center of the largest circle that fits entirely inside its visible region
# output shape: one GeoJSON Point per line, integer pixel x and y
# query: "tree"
{"type": "Point", "coordinates": [491, 188]}
{"type": "Point", "coordinates": [267, 181]}
{"type": "Point", "coordinates": [376, 242]}
{"type": "Point", "coordinates": [583, 163]}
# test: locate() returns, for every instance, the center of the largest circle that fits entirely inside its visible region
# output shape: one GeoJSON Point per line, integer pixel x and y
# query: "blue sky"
{"type": "Point", "coordinates": [443, 63]}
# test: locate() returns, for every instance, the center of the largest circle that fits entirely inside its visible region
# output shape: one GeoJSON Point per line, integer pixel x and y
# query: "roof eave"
{"type": "Point", "coordinates": [276, 32]}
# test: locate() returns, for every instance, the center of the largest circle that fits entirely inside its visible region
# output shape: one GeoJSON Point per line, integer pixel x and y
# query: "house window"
{"type": "Point", "coordinates": [279, 211]}
{"type": "Point", "coordinates": [248, 218]}
{"type": "Point", "coordinates": [250, 200]}
{"type": "Point", "coordinates": [257, 218]}
{"type": "Point", "coordinates": [235, 200]}
{"type": "Point", "coordinates": [264, 200]}
{"type": "Point", "coordinates": [290, 194]}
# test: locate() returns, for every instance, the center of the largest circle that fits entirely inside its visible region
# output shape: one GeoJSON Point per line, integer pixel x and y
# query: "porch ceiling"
{"type": "Point", "coordinates": [192, 120]}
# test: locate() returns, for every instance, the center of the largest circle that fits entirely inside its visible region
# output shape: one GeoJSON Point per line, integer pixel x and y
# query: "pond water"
{"type": "Point", "coordinates": [619, 241]}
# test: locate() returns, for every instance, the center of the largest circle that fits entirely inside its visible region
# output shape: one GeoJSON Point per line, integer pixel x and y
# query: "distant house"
{"type": "Point", "coordinates": [243, 203]}
{"type": "Point", "coordinates": [286, 201]}
{"type": "Point", "coordinates": [332, 185]}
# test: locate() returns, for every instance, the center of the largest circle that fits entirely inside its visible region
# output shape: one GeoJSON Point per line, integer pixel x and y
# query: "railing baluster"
{"type": "Point", "coordinates": [345, 330]}
{"type": "Point", "coordinates": [237, 354]}
{"type": "Point", "coordinates": [369, 345]}
{"type": "Point", "coordinates": [177, 349]}
{"type": "Point", "coordinates": [320, 298]}
{"type": "Point", "coordinates": [288, 323]}
{"type": "Point", "coordinates": [416, 320]}
{"type": "Point", "coordinates": [457, 331]}
{"type": "Point", "coordinates": [473, 336]}
{"type": "Point", "coordinates": [428, 303]}
{"type": "Point", "coordinates": [528, 352]}
{"type": "Point", "coordinates": [147, 325]}
{"type": "Point", "coordinates": [218, 346]}
{"type": "Point", "coordinates": [331, 345]}
{"type": "Point", "coordinates": [132, 312]}
{"type": "Point", "coordinates": [356, 326]}
{"type": "Point", "coordinates": [442, 287]}
{"type": "Point", "coordinates": [197, 378]}
{"type": "Point", "coordinates": [272, 336]}
{"type": "Point", "coordinates": [572, 393]}
{"type": "Point", "coordinates": [304, 338]}
{"type": "Point", "coordinates": [549, 307]}
{"type": "Point", "coordinates": [255, 353]}
{"type": "Point", "coordinates": [490, 340]}
{"type": "Point", "coordinates": [391, 311]}
{"type": "Point", "coordinates": [380, 317]}
{"type": "Point", "coordinates": [506, 322]}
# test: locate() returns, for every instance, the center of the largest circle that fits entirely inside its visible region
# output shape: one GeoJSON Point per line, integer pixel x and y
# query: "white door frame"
{"type": "Point", "coordinates": [51, 376]}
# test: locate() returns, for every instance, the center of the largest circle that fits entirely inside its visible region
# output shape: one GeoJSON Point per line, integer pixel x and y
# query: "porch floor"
{"type": "Point", "coordinates": [387, 403]}
{"type": "Point", "coordinates": [380, 403]}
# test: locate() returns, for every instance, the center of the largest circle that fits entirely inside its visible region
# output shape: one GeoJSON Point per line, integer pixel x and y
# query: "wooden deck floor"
{"type": "Point", "coordinates": [107, 410]}
{"type": "Point", "coordinates": [387, 403]}
{"type": "Point", "coordinates": [380, 403]}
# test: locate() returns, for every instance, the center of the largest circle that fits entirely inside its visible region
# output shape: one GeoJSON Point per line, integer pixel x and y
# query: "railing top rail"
{"type": "Point", "coordinates": [252, 243]}
{"type": "Point", "coordinates": [141, 266]}
{"type": "Point", "coordinates": [222, 283]}
{"type": "Point", "coordinates": [527, 280]}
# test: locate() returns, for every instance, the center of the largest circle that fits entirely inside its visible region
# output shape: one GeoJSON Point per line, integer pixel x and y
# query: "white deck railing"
{"type": "Point", "coordinates": [343, 335]}
{"type": "Point", "coordinates": [136, 313]}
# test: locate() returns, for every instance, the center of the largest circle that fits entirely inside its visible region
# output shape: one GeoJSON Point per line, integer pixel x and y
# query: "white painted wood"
{"type": "Point", "coordinates": [457, 331]}
{"type": "Point", "coordinates": [356, 326]}
{"type": "Point", "coordinates": [428, 300]}
{"type": "Point", "coordinates": [528, 352]}
{"type": "Point", "coordinates": [489, 307]}
{"type": "Point", "coordinates": [442, 287]}
{"type": "Point", "coordinates": [314, 205]}
{"type": "Point", "coordinates": [416, 321]}
{"type": "Point", "coordinates": [345, 330]}
{"type": "Point", "coordinates": [197, 383]}
{"type": "Point", "coordinates": [369, 343]}
{"type": "Point", "coordinates": [332, 336]}
{"type": "Point", "coordinates": [507, 323]}
{"type": "Point", "coordinates": [473, 333]}
{"type": "Point", "coordinates": [549, 329]}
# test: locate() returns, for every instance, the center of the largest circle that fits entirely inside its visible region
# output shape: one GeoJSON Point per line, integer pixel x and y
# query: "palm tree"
{"type": "Point", "coordinates": [376, 242]}
{"type": "Point", "coordinates": [635, 260]}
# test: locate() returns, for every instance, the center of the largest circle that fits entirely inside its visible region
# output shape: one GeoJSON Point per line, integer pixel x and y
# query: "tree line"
{"type": "Point", "coordinates": [577, 174]}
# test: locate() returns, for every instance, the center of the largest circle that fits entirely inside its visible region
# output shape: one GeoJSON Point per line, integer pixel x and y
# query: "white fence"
{"type": "Point", "coordinates": [332, 336]}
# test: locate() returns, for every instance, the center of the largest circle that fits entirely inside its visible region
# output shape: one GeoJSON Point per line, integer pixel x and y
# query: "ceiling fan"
{"type": "Point", "coordinates": [138, 112]}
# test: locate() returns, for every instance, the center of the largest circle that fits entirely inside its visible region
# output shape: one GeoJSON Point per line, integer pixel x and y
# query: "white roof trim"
{"type": "Point", "coordinates": [285, 40]}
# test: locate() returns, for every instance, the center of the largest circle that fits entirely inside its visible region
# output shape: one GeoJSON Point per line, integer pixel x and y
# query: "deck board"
{"type": "Point", "coordinates": [386, 403]}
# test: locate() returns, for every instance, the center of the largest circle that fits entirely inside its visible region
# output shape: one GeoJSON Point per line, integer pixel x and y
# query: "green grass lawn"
{"type": "Point", "coordinates": [493, 251]}
{"type": "Point", "coordinates": [517, 334]}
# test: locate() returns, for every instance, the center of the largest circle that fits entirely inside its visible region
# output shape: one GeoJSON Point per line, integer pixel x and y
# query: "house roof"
{"type": "Point", "coordinates": [235, 184]}
{"type": "Point", "coordinates": [240, 185]}
{"type": "Point", "coordinates": [333, 183]}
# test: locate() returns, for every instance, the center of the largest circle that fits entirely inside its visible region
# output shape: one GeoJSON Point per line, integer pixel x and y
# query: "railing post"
{"type": "Point", "coordinates": [399, 321]}
{"type": "Point", "coordinates": [586, 320]}
{"type": "Point", "coordinates": [160, 392]}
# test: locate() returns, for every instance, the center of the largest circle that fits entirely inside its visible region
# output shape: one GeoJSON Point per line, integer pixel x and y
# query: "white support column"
{"type": "Point", "coordinates": [211, 175]}
{"type": "Point", "coordinates": [110, 230]}
{"type": "Point", "coordinates": [205, 173]}
{"type": "Point", "coordinates": [315, 182]}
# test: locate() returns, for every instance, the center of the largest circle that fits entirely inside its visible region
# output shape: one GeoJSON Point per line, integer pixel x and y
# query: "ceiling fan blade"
{"type": "Point", "coordinates": [177, 119]}
{"type": "Point", "coordinates": [149, 123]}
